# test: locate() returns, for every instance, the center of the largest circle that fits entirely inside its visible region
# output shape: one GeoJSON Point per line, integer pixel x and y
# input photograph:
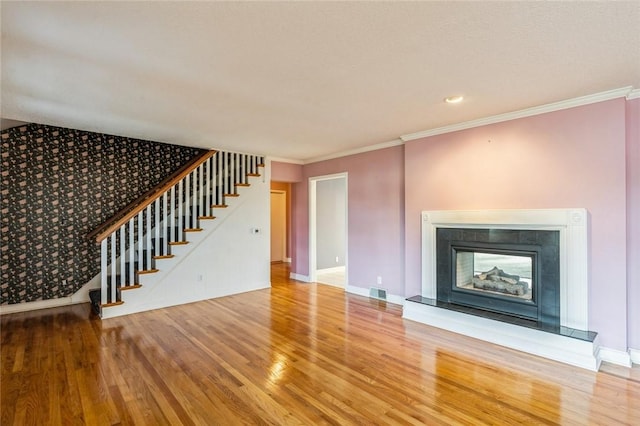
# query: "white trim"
{"type": "Point", "coordinates": [331, 270]}
{"type": "Point", "coordinates": [564, 349]}
{"type": "Point", "coordinates": [542, 109]}
{"type": "Point", "coordinates": [572, 224]}
{"type": "Point", "coordinates": [80, 296]}
{"type": "Point", "coordinates": [32, 306]}
{"type": "Point", "coordinates": [312, 223]}
{"type": "Point", "coordinates": [395, 142]}
{"type": "Point", "coordinates": [299, 277]}
{"type": "Point", "coordinates": [287, 260]}
{"type": "Point", "coordinates": [614, 356]}
{"type": "Point", "coordinates": [634, 356]}
{"type": "Point", "coordinates": [286, 160]}
{"type": "Point", "coordinates": [391, 298]}
{"type": "Point", "coordinates": [634, 94]}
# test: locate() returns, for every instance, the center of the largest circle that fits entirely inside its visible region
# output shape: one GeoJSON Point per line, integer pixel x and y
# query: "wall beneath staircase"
{"type": "Point", "coordinates": [58, 185]}
{"type": "Point", "coordinates": [231, 255]}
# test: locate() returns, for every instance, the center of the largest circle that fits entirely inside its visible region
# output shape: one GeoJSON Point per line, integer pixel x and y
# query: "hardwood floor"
{"type": "Point", "coordinates": [293, 354]}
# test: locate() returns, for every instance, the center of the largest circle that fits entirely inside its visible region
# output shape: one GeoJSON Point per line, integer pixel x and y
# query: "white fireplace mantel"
{"type": "Point", "coordinates": [572, 225]}
{"type": "Point", "coordinates": [574, 284]}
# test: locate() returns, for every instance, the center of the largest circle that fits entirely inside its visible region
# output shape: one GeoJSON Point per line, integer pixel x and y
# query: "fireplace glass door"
{"type": "Point", "coordinates": [495, 273]}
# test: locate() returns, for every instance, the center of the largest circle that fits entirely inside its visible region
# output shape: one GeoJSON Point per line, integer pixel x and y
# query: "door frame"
{"type": "Point", "coordinates": [313, 239]}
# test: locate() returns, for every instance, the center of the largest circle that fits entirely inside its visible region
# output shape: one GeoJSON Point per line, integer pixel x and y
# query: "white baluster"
{"type": "Point", "coordinates": [180, 211]}
{"type": "Point", "coordinates": [103, 271]}
{"type": "Point", "coordinates": [123, 257]}
{"type": "Point", "coordinates": [132, 252]}
{"type": "Point", "coordinates": [201, 193]}
{"type": "Point", "coordinates": [194, 199]}
{"type": "Point", "coordinates": [232, 189]}
{"type": "Point", "coordinates": [207, 200]}
{"type": "Point", "coordinates": [148, 234]}
{"type": "Point", "coordinates": [114, 267]}
{"type": "Point", "coordinates": [165, 214]}
{"type": "Point", "coordinates": [245, 162]}
{"type": "Point", "coordinates": [172, 234]}
{"type": "Point", "coordinates": [187, 194]}
{"type": "Point", "coordinates": [221, 171]}
{"type": "Point", "coordinates": [140, 242]}
{"type": "Point", "coordinates": [156, 225]}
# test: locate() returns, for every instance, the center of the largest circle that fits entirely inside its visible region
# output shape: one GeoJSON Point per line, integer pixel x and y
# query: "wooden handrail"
{"type": "Point", "coordinates": [140, 203]}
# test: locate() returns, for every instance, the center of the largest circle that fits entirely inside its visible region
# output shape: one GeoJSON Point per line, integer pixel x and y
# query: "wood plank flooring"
{"type": "Point", "coordinates": [293, 354]}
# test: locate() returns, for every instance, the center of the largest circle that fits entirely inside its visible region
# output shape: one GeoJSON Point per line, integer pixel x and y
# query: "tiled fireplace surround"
{"type": "Point", "coordinates": [571, 342]}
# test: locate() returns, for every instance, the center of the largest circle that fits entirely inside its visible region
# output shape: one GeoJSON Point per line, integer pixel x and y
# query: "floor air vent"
{"type": "Point", "coordinates": [378, 293]}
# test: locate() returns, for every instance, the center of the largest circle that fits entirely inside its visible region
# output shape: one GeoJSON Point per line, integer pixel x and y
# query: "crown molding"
{"type": "Point", "coordinates": [624, 92]}
{"type": "Point", "coordinates": [542, 109]}
{"type": "Point", "coordinates": [285, 160]}
{"type": "Point", "coordinates": [395, 142]}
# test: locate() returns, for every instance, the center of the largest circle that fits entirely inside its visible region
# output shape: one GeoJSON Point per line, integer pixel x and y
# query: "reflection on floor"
{"type": "Point", "coordinates": [331, 276]}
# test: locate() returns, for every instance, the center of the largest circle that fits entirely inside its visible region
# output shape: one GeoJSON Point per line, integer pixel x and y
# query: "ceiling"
{"type": "Point", "coordinates": [302, 80]}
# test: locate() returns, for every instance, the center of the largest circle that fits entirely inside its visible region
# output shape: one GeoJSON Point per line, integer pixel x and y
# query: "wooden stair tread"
{"type": "Point", "coordinates": [131, 287]}
{"type": "Point", "coordinates": [178, 243]}
{"type": "Point", "coordinates": [206, 217]}
{"type": "Point", "coordinates": [108, 305]}
{"type": "Point", "coordinates": [243, 184]}
{"type": "Point", "coordinates": [192, 229]}
{"type": "Point", "coordinates": [147, 271]}
{"type": "Point", "coordinates": [260, 165]}
{"type": "Point", "coordinates": [219, 206]}
{"type": "Point", "coordinates": [254, 174]}
{"type": "Point", "coordinates": [163, 256]}
{"type": "Point", "coordinates": [231, 195]}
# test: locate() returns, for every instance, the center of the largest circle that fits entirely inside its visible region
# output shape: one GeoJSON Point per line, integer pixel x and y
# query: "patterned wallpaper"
{"type": "Point", "coordinates": [58, 185]}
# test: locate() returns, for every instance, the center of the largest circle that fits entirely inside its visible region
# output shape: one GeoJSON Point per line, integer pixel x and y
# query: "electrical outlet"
{"type": "Point", "coordinates": [337, 259]}
{"type": "Point", "coordinates": [199, 277]}
{"type": "Point", "coordinates": [379, 280]}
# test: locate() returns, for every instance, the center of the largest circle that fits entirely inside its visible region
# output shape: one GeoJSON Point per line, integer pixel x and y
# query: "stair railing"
{"type": "Point", "coordinates": [130, 244]}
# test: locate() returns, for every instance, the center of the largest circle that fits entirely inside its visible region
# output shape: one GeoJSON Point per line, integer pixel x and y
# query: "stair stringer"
{"type": "Point", "coordinates": [225, 258]}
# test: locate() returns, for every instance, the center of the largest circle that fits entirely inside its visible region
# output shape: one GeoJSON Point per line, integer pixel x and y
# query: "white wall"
{"type": "Point", "coordinates": [226, 258]}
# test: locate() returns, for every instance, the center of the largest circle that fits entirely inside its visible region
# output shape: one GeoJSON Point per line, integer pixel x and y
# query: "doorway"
{"type": "Point", "coordinates": [278, 226]}
{"type": "Point", "coordinates": [328, 260]}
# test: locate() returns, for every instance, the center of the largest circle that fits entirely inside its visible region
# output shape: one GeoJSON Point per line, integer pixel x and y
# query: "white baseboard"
{"type": "Point", "coordinates": [391, 298]}
{"type": "Point", "coordinates": [287, 260]}
{"type": "Point", "coordinates": [634, 354]}
{"type": "Point", "coordinates": [80, 296]}
{"type": "Point", "coordinates": [299, 277]}
{"type": "Point", "coordinates": [330, 270]}
{"type": "Point", "coordinates": [614, 356]}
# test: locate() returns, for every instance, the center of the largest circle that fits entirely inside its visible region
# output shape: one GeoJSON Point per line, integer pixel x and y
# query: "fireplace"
{"type": "Point", "coordinates": [505, 271]}
{"type": "Point", "coordinates": [526, 271]}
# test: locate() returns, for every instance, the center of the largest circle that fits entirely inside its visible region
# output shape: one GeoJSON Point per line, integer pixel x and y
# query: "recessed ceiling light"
{"type": "Point", "coordinates": [454, 99]}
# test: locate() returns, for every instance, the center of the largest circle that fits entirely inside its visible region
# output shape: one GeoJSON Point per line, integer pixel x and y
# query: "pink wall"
{"type": "Point", "coordinates": [285, 172]}
{"type": "Point", "coordinates": [376, 219]}
{"type": "Point", "coordinates": [570, 158]}
{"type": "Point", "coordinates": [633, 221]}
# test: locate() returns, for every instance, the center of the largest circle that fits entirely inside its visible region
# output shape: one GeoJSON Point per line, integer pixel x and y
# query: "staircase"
{"type": "Point", "coordinates": [154, 236]}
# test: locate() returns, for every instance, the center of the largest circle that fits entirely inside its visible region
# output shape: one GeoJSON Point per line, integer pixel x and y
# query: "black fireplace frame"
{"type": "Point", "coordinates": [541, 245]}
